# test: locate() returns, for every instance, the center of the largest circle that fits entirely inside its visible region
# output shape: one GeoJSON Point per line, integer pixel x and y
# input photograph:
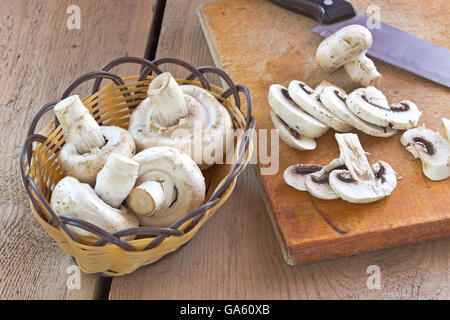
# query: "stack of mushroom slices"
{"type": "Point", "coordinates": [302, 114]}
{"type": "Point", "coordinates": [349, 177]}
{"type": "Point", "coordinates": [107, 185]}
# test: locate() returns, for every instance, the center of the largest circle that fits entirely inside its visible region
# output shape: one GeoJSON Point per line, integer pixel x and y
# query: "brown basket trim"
{"type": "Point", "coordinates": [160, 233]}
{"type": "Point", "coordinates": [28, 182]}
{"type": "Point", "coordinates": [93, 75]}
{"type": "Point", "coordinates": [223, 75]}
{"type": "Point", "coordinates": [161, 61]}
{"type": "Point", "coordinates": [38, 115]}
{"type": "Point", "coordinates": [98, 75]}
{"type": "Point", "coordinates": [199, 211]}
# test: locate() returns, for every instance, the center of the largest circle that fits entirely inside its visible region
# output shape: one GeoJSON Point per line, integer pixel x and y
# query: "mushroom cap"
{"type": "Point", "coordinates": [364, 191]}
{"type": "Point", "coordinates": [295, 175]}
{"type": "Point", "coordinates": [317, 183]}
{"type": "Point", "coordinates": [173, 166]}
{"type": "Point", "coordinates": [283, 105]}
{"type": "Point", "coordinates": [207, 124]}
{"type": "Point", "coordinates": [431, 148]}
{"type": "Point", "coordinates": [372, 106]}
{"type": "Point", "coordinates": [116, 179]}
{"type": "Point", "coordinates": [309, 101]}
{"type": "Point", "coordinates": [85, 167]}
{"type": "Point", "coordinates": [333, 98]}
{"type": "Point", "coordinates": [291, 136]}
{"type": "Point", "coordinates": [345, 45]}
{"type": "Point", "coordinates": [75, 199]}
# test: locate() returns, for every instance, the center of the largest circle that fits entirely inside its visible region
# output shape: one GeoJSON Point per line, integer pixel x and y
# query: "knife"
{"type": "Point", "coordinates": [390, 44]}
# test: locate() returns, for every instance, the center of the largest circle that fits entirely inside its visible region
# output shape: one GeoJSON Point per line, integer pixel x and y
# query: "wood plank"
{"type": "Point", "coordinates": [180, 37]}
{"type": "Point", "coordinates": [39, 56]}
{"type": "Point", "coordinates": [311, 229]}
{"type": "Point", "coordinates": [236, 254]}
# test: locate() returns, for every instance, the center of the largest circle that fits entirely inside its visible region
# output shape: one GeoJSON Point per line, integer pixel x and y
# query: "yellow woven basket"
{"type": "Point", "coordinates": [112, 105]}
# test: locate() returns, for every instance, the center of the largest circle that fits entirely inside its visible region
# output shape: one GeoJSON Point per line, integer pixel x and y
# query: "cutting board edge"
{"type": "Point", "coordinates": [301, 254]}
{"type": "Point", "coordinates": [279, 236]}
{"type": "Point", "coordinates": [208, 37]}
{"type": "Point", "coordinates": [285, 252]}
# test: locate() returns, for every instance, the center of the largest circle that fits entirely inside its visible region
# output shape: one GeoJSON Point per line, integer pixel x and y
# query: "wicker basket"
{"type": "Point", "coordinates": [112, 105]}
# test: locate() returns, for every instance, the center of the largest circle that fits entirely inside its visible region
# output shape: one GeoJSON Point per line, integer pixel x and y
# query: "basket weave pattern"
{"type": "Point", "coordinates": [113, 105]}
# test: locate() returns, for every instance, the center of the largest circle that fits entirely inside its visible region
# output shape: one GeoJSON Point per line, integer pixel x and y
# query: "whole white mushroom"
{"type": "Point", "coordinates": [87, 144]}
{"type": "Point", "coordinates": [184, 117]}
{"type": "Point", "coordinates": [75, 199]}
{"type": "Point", "coordinates": [347, 47]}
{"type": "Point", "coordinates": [169, 185]}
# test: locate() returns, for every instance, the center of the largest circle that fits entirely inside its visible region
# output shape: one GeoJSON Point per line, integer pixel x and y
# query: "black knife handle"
{"type": "Point", "coordinates": [325, 11]}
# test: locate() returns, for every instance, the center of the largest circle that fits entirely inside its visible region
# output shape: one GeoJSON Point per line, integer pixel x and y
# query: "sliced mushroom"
{"type": "Point", "coordinates": [334, 99]}
{"type": "Point", "coordinates": [371, 105]}
{"type": "Point", "coordinates": [347, 47]}
{"type": "Point", "coordinates": [446, 124]}
{"type": "Point", "coordinates": [313, 178]}
{"type": "Point", "coordinates": [295, 175]}
{"type": "Point", "coordinates": [318, 183]}
{"type": "Point", "coordinates": [169, 185]}
{"type": "Point", "coordinates": [319, 88]}
{"type": "Point", "coordinates": [431, 148]}
{"type": "Point", "coordinates": [75, 199]}
{"type": "Point", "coordinates": [360, 183]}
{"type": "Point", "coordinates": [88, 145]}
{"type": "Point", "coordinates": [283, 105]}
{"type": "Point", "coordinates": [116, 179]}
{"type": "Point", "coordinates": [291, 136]}
{"type": "Point", "coordinates": [309, 101]}
{"type": "Point", "coordinates": [161, 120]}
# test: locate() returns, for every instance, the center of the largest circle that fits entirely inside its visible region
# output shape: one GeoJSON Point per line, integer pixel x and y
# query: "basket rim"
{"type": "Point", "coordinates": [158, 234]}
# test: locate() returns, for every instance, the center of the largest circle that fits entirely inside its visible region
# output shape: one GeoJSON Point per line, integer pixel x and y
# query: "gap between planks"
{"type": "Point", "coordinates": [103, 284]}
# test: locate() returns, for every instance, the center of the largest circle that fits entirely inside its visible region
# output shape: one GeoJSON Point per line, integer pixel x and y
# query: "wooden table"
{"type": "Point", "coordinates": [236, 255]}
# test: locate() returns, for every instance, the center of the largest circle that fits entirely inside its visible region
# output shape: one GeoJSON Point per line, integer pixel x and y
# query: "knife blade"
{"type": "Point", "coordinates": [390, 44]}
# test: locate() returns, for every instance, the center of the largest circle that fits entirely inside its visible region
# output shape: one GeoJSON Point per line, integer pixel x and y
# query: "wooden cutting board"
{"type": "Point", "coordinates": [259, 44]}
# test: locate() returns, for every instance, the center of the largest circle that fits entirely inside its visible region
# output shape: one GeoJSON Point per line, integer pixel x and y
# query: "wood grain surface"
{"type": "Point", "coordinates": [39, 56]}
{"type": "Point", "coordinates": [259, 44]}
{"type": "Point", "coordinates": [236, 254]}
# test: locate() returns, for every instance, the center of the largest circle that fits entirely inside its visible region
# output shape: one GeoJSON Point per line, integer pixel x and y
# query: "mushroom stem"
{"type": "Point", "coordinates": [74, 199]}
{"type": "Point", "coordinates": [363, 71]}
{"type": "Point", "coordinates": [116, 179]}
{"type": "Point", "coordinates": [147, 198]}
{"type": "Point", "coordinates": [354, 157]}
{"type": "Point", "coordinates": [80, 127]}
{"type": "Point", "coordinates": [168, 100]}
{"type": "Point", "coordinates": [360, 183]}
